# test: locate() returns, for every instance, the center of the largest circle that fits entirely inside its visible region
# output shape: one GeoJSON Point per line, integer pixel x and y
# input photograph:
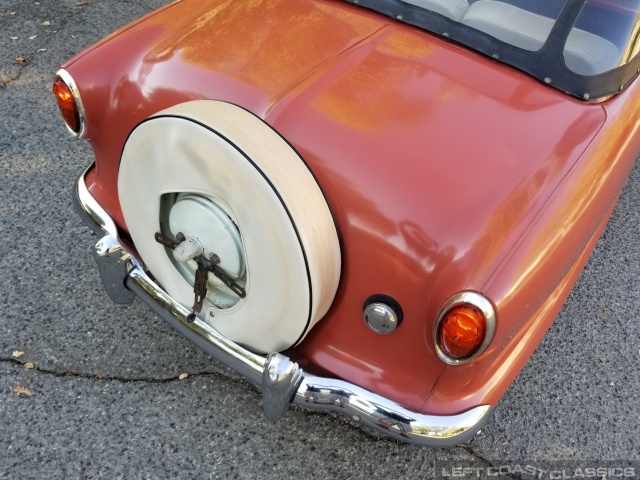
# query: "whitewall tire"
{"type": "Point", "coordinates": [242, 192]}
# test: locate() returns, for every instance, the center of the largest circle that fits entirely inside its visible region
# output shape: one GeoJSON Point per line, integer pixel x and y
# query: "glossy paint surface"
{"type": "Point", "coordinates": [444, 170]}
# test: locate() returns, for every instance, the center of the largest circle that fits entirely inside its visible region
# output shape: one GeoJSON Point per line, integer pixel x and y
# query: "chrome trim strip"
{"type": "Point", "coordinates": [282, 381]}
{"type": "Point", "coordinates": [68, 79]}
{"type": "Point", "coordinates": [94, 215]}
{"type": "Point", "coordinates": [478, 301]}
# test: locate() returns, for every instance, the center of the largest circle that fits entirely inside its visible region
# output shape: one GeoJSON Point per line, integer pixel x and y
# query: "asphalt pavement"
{"type": "Point", "coordinates": [106, 400]}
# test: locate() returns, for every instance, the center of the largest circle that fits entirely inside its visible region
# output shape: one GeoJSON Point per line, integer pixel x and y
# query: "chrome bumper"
{"type": "Point", "coordinates": [282, 381]}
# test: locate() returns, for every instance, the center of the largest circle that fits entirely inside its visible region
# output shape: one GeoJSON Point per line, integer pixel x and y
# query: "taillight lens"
{"type": "Point", "coordinates": [68, 106]}
{"type": "Point", "coordinates": [464, 327]}
{"type": "Point", "coordinates": [462, 331]}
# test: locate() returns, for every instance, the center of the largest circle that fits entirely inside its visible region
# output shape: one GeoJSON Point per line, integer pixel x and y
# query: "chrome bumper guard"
{"type": "Point", "coordinates": [282, 381]}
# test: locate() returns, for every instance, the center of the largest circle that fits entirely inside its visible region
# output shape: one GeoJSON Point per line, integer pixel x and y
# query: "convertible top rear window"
{"type": "Point", "coordinates": [587, 48]}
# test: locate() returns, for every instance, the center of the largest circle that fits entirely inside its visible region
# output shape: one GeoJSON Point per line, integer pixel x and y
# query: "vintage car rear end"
{"type": "Point", "coordinates": [456, 198]}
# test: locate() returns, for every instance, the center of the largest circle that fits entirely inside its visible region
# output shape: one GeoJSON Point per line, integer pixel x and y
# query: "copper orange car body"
{"type": "Point", "coordinates": [445, 170]}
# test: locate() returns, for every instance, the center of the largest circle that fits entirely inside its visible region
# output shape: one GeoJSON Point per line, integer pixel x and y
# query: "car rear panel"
{"type": "Point", "coordinates": [436, 161]}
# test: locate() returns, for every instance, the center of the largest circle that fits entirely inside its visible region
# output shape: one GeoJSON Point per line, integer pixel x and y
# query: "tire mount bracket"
{"type": "Point", "coordinates": [205, 266]}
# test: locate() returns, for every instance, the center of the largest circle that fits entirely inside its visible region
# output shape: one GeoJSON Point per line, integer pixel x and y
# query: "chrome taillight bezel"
{"type": "Point", "coordinates": [73, 88]}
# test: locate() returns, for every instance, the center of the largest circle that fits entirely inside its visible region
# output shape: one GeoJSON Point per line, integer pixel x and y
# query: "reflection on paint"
{"type": "Point", "coordinates": [263, 43]}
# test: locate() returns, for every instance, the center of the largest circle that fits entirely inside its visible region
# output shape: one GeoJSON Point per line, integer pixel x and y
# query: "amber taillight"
{"type": "Point", "coordinates": [464, 327]}
{"type": "Point", "coordinates": [462, 331]}
{"type": "Point", "coordinates": [68, 105]}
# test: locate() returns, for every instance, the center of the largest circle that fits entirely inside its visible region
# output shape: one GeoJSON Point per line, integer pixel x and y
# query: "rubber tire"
{"type": "Point", "coordinates": [289, 236]}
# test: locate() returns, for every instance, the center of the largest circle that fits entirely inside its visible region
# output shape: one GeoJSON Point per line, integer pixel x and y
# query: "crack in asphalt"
{"type": "Point", "coordinates": [113, 378]}
{"type": "Point", "coordinates": [374, 436]}
{"type": "Point", "coordinates": [483, 459]}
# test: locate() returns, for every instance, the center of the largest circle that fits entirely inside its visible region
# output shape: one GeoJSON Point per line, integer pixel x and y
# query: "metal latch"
{"type": "Point", "coordinates": [205, 265]}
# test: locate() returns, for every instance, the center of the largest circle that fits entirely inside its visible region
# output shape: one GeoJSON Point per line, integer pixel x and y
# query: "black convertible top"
{"type": "Point", "coordinates": [598, 19]}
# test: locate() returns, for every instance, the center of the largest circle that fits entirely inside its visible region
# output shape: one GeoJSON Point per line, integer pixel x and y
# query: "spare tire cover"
{"type": "Point", "coordinates": [217, 150]}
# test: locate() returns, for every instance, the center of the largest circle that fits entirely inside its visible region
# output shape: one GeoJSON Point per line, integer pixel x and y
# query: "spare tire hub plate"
{"type": "Point", "coordinates": [202, 219]}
